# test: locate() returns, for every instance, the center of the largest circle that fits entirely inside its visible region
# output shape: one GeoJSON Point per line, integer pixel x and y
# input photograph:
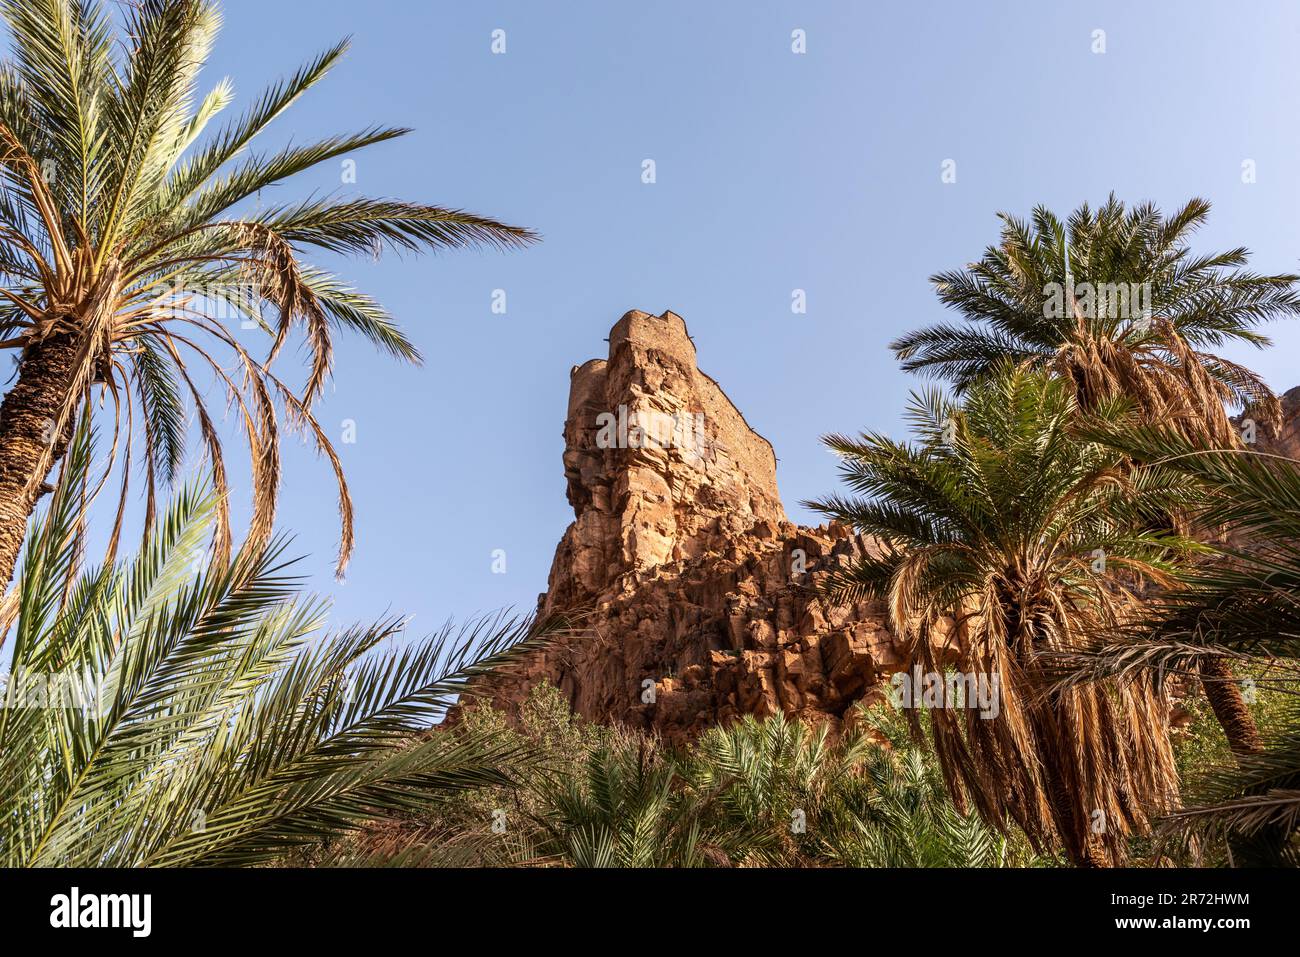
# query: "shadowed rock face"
{"type": "Point", "coordinates": [697, 590]}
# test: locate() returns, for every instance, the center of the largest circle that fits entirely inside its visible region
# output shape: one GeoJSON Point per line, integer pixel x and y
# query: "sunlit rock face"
{"type": "Point", "coordinates": [1286, 440]}
{"type": "Point", "coordinates": [698, 595]}
{"type": "Point", "coordinates": [695, 595]}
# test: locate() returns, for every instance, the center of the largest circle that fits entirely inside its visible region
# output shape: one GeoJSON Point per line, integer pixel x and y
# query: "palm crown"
{"type": "Point", "coordinates": [123, 249]}
{"type": "Point", "coordinates": [1114, 301]}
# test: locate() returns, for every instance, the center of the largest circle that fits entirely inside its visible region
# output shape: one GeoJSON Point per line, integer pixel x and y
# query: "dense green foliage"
{"type": "Point", "coordinates": [774, 792]}
{"type": "Point", "coordinates": [175, 710]}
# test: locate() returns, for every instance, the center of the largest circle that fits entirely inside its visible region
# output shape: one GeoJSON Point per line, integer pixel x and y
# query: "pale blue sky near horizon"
{"type": "Point", "coordinates": [775, 171]}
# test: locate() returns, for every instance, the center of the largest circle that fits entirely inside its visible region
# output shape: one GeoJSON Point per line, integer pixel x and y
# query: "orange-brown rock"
{"type": "Point", "coordinates": [697, 594]}
{"type": "Point", "coordinates": [1286, 440]}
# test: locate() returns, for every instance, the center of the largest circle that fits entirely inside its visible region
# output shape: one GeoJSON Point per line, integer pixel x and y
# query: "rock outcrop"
{"type": "Point", "coordinates": [1286, 440]}
{"type": "Point", "coordinates": [696, 594]}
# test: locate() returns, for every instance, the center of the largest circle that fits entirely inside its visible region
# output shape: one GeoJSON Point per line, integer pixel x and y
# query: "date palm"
{"type": "Point", "coordinates": [1115, 302]}
{"type": "Point", "coordinates": [848, 800]}
{"type": "Point", "coordinates": [1003, 540]}
{"type": "Point", "coordinates": [176, 711]}
{"type": "Point", "coordinates": [1242, 604]}
{"type": "Point", "coordinates": [757, 793]}
{"type": "Point", "coordinates": [130, 251]}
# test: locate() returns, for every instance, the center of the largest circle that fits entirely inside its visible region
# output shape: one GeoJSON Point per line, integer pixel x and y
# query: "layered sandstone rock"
{"type": "Point", "coordinates": [696, 593]}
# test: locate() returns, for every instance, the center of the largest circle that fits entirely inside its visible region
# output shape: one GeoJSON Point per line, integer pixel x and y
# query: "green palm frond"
{"type": "Point", "coordinates": [1253, 803]}
{"type": "Point", "coordinates": [628, 810]}
{"type": "Point", "coordinates": [1002, 538]}
{"type": "Point", "coordinates": [175, 710]}
{"type": "Point", "coordinates": [1242, 603]}
{"type": "Point", "coordinates": [1018, 309]}
{"type": "Point", "coordinates": [131, 238]}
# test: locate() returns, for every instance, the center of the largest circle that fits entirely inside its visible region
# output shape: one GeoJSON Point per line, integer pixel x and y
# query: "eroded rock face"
{"type": "Point", "coordinates": [697, 592]}
{"type": "Point", "coordinates": [1286, 441]}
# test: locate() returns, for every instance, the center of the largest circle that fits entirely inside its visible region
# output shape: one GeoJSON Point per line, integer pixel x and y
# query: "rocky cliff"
{"type": "Point", "coordinates": [1286, 441]}
{"type": "Point", "coordinates": [697, 594]}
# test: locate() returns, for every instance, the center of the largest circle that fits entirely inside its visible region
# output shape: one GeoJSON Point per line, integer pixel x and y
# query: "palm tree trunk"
{"type": "Point", "coordinates": [1224, 695]}
{"type": "Point", "coordinates": [1229, 706]}
{"type": "Point", "coordinates": [28, 447]}
{"type": "Point", "coordinates": [1094, 856]}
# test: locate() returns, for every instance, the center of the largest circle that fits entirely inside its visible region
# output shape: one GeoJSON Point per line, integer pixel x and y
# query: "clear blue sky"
{"type": "Point", "coordinates": [775, 171]}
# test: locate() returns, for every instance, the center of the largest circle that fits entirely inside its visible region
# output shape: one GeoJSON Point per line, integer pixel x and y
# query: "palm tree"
{"type": "Point", "coordinates": [771, 792]}
{"type": "Point", "coordinates": [1242, 604]}
{"type": "Point", "coordinates": [1003, 539]}
{"type": "Point", "coordinates": [127, 251]}
{"type": "Point", "coordinates": [629, 810]}
{"type": "Point", "coordinates": [163, 714]}
{"type": "Point", "coordinates": [779, 777]}
{"type": "Point", "coordinates": [870, 798]}
{"type": "Point", "coordinates": [1115, 303]}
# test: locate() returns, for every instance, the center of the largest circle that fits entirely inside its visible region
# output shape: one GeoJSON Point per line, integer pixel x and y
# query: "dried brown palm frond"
{"type": "Point", "coordinates": [994, 524]}
{"type": "Point", "coordinates": [1115, 303]}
